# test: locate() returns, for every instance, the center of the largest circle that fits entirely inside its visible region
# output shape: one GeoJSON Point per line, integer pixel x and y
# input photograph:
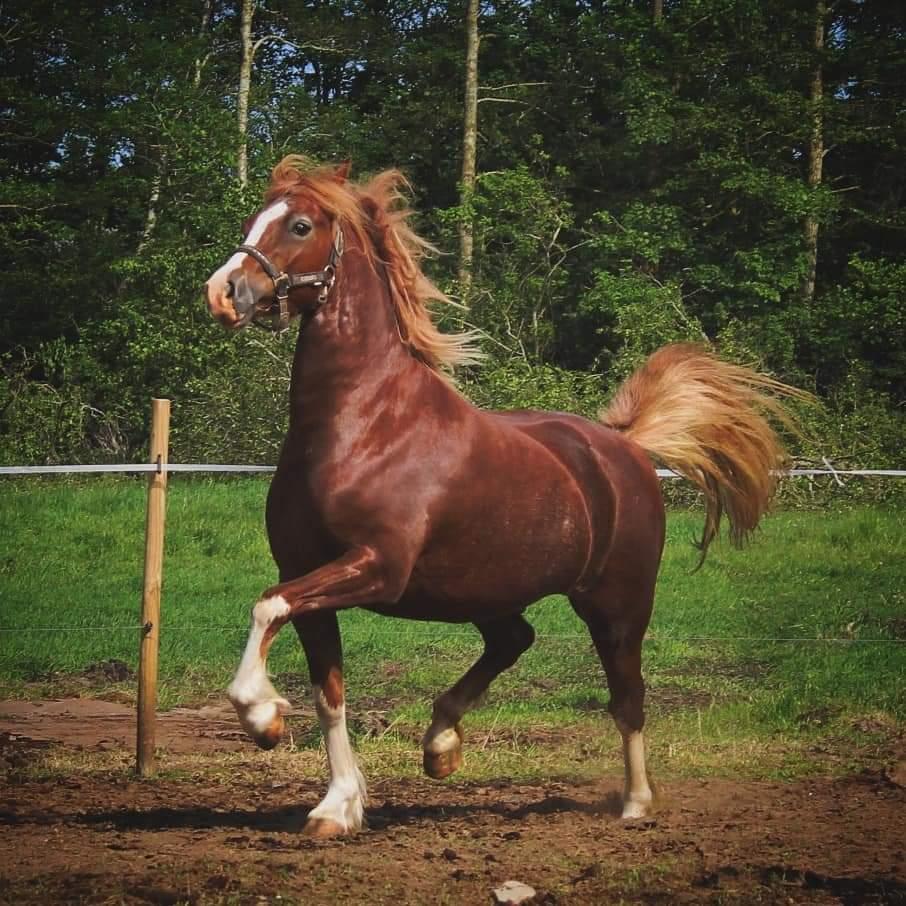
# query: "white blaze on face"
{"type": "Point", "coordinates": [277, 210]}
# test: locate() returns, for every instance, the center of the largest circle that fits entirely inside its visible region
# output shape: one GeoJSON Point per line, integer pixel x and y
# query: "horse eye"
{"type": "Point", "coordinates": [301, 228]}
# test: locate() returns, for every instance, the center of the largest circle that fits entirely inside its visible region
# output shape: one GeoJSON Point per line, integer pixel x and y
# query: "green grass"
{"type": "Point", "coordinates": [70, 588]}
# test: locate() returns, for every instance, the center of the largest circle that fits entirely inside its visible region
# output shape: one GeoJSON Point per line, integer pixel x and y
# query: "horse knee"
{"type": "Point", "coordinates": [267, 610]}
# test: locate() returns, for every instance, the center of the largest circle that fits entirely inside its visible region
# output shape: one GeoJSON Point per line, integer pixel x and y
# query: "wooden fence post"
{"type": "Point", "coordinates": [154, 559]}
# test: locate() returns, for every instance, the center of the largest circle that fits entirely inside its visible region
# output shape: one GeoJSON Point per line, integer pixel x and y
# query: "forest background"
{"type": "Point", "coordinates": [725, 171]}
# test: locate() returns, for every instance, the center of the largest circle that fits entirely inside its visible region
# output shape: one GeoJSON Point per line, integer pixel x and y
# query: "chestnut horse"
{"type": "Point", "coordinates": [396, 494]}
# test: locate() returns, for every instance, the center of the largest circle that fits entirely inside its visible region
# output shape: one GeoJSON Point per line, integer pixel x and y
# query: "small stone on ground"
{"type": "Point", "coordinates": [513, 892]}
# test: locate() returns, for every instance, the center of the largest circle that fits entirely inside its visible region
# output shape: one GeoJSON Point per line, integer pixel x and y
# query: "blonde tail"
{"type": "Point", "coordinates": [706, 419]}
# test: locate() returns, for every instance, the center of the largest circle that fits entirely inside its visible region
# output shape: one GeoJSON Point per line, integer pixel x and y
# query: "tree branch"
{"type": "Point", "coordinates": [511, 85]}
{"type": "Point", "coordinates": [321, 48]}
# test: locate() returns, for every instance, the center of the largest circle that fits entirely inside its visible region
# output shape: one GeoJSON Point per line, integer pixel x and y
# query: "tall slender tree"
{"type": "Point", "coordinates": [469, 150]}
{"type": "Point", "coordinates": [245, 85]}
{"type": "Point", "coordinates": [815, 149]}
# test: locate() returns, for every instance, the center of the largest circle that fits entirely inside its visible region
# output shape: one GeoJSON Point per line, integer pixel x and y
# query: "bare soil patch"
{"type": "Point", "coordinates": [210, 838]}
{"type": "Point", "coordinates": [95, 724]}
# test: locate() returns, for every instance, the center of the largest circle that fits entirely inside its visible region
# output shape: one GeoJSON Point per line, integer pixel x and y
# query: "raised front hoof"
{"type": "Point", "coordinates": [323, 829]}
{"type": "Point", "coordinates": [271, 737]}
{"type": "Point", "coordinates": [439, 765]}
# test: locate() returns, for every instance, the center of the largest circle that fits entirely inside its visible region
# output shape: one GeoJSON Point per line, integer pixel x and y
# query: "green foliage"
{"type": "Point", "coordinates": [53, 421]}
{"type": "Point", "coordinates": [39, 422]}
{"type": "Point", "coordinates": [628, 301]}
{"type": "Point", "coordinates": [514, 384]}
{"type": "Point", "coordinates": [856, 425]}
{"type": "Point", "coordinates": [645, 314]}
{"type": "Point", "coordinates": [239, 412]}
{"type": "Point", "coordinates": [521, 269]}
{"type": "Point", "coordinates": [639, 182]}
{"type": "Point", "coordinates": [862, 323]}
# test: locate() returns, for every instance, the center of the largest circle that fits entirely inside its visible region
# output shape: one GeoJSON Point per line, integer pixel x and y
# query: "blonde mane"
{"type": "Point", "coordinates": [375, 214]}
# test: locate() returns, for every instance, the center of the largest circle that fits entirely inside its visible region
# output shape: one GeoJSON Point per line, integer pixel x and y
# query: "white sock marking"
{"type": "Point", "coordinates": [637, 795]}
{"type": "Point", "coordinates": [440, 737]}
{"type": "Point", "coordinates": [253, 695]}
{"type": "Point", "coordinates": [345, 800]}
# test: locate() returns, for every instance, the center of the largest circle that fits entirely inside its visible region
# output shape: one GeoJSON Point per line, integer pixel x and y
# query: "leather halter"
{"type": "Point", "coordinates": [284, 282]}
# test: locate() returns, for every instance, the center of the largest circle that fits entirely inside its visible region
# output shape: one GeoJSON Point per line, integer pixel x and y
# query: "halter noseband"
{"type": "Point", "coordinates": [284, 282]}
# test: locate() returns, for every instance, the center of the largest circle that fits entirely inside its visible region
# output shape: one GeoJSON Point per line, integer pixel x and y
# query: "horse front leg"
{"type": "Point", "coordinates": [361, 576]}
{"type": "Point", "coordinates": [505, 639]}
{"type": "Point", "coordinates": [342, 809]}
{"type": "Point", "coordinates": [259, 706]}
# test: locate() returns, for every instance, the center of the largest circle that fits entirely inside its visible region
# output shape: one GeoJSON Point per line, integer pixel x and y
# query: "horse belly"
{"type": "Point", "coordinates": [510, 554]}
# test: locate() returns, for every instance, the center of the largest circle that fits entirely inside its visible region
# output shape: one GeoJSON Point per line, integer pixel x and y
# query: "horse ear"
{"type": "Point", "coordinates": [341, 171]}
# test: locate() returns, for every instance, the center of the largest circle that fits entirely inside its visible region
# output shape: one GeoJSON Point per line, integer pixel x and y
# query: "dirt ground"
{"type": "Point", "coordinates": [198, 838]}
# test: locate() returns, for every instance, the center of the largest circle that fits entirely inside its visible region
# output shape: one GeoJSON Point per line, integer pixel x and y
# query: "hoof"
{"type": "Point", "coordinates": [322, 829]}
{"type": "Point", "coordinates": [439, 765]}
{"type": "Point", "coordinates": [272, 735]}
{"type": "Point", "coordinates": [636, 808]}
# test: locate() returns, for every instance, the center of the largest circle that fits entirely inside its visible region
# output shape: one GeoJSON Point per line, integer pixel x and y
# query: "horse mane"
{"type": "Point", "coordinates": [375, 213]}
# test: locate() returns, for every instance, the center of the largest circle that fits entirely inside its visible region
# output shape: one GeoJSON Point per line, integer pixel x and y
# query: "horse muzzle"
{"type": "Point", "coordinates": [233, 303]}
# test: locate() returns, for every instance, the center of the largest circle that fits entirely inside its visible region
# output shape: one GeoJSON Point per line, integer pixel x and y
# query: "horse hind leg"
{"type": "Point", "coordinates": [505, 639]}
{"type": "Point", "coordinates": [617, 623]}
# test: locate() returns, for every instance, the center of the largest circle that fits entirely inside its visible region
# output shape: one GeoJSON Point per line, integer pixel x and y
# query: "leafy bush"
{"type": "Point", "coordinates": [519, 222]}
{"type": "Point", "coordinates": [238, 412]}
{"type": "Point", "coordinates": [856, 427]}
{"type": "Point", "coordinates": [646, 315]}
{"type": "Point", "coordinates": [514, 384]}
{"type": "Point", "coordinates": [41, 423]}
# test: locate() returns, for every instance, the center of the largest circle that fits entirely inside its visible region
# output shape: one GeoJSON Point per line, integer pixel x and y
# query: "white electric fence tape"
{"type": "Point", "coordinates": [204, 467]}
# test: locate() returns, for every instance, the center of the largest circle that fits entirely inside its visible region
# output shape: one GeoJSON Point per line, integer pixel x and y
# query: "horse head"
{"type": "Point", "coordinates": [287, 262]}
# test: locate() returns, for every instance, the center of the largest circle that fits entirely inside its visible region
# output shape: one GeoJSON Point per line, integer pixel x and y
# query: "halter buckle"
{"type": "Point", "coordinates": [329, 278]}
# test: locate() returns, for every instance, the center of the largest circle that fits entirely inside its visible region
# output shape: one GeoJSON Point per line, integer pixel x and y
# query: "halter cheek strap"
{"type": "Point", "coordinates": [283, 282]}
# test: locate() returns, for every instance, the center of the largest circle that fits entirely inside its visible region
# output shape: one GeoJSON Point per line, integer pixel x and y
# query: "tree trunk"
{"type": "Point", "coordinates": [245, 83]}
{"type": "Point", "coordinates": [469, 143]}
{"type": "Point", "coordinates": [815, 153]}
{"type": "Point", "coordinates": [657, 10]}
{"type": "Point", "coordinates": [153, 199]}
{"type": "Point", "coordinates": [207, 10]}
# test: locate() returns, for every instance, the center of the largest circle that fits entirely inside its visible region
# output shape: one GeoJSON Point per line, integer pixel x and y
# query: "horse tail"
{"type": "Point", "coordinates": [708, 420]}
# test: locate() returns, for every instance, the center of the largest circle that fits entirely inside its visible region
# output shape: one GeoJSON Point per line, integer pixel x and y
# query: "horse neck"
{"type": "Point", "coordinates": [351, 352]}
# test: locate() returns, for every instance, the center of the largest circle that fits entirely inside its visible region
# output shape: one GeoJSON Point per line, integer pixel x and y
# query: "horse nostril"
{"type": "Point", "coordinates": [230, 289]}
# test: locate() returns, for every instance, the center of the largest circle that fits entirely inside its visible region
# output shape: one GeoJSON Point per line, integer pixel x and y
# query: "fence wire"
{"type": "Point", "coordinates": [431, 636]}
